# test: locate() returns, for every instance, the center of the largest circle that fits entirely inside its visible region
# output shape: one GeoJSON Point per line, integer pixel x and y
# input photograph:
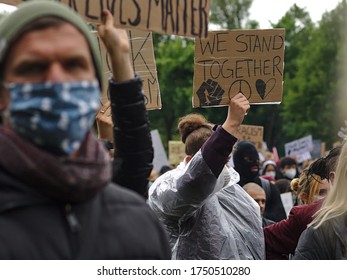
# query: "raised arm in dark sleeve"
{"type": "Point", "coordinates": [217, 148]}
{"type": "Point", "coordinates": [134, 153]}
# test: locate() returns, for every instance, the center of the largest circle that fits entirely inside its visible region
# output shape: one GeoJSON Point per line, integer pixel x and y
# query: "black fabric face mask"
{"type": "Point", "coordinates": [245, 158]}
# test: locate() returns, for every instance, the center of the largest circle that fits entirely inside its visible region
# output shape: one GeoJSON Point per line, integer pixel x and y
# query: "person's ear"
{"type": "Point", "coordinates": [331, 177]}
{"type": "Point", "coordinates": [188, 158]}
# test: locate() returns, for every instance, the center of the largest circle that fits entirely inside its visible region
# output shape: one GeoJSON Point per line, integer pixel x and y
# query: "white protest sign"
{"type": "Point", "coordinates": [299, 149]}
{"type": "Point", "coordinates": [287, 201]}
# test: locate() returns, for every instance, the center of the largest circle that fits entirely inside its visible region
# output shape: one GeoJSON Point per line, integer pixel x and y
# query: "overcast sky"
{"type": "Point", "coordinates": [272, 10]}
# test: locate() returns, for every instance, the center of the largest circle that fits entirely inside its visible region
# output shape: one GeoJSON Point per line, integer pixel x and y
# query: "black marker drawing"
{"type": "Point", "coordinates": [210, 93]}
{"type": "Point", "coordinates": [146, 99]}
{"type": "Point", "coordinates": [264, 88]}
{"type": "Point", "coordinates": [240, 86]}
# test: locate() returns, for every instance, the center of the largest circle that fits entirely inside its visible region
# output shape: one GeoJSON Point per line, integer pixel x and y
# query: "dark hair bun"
{"type": "Point", "coordinates": [189, 123]}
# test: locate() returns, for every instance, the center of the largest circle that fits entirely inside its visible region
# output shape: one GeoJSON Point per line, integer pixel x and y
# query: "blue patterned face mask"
{"type": "Point", "coordinates": [54, 116]}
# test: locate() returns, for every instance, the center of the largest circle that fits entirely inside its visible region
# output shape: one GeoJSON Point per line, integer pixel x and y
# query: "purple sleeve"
{"type": "Point", "coordinates": [217, 149]}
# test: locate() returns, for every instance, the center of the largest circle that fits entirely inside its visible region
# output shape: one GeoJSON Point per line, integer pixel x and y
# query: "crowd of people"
{"type": "Point", "coordinates": [63, 197]}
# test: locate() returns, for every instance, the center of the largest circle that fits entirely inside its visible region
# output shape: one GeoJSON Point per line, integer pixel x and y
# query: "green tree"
{"type": "Point", "coordinates": [232, 14]}
{"type": "Point", "coordinates": [312, 93]}
{"type": "Point", "coordinates": [175, 66]}
{"type": "Point", "coordinates": [175, 61]}
{"type": "Point", "coordinates": [298, 28]}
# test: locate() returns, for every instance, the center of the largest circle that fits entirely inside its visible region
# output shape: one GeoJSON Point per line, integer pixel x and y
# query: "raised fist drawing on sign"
{"type": "Point", "coordinates": [210, 93]}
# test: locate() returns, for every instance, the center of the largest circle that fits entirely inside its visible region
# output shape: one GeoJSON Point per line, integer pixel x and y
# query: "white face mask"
{"type": "Point", "coordinates": [290, 173]}
{"type": "Point", "coordinates": [271, 174]}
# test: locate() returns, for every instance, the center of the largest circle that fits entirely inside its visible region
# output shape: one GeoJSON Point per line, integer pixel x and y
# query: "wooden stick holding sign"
{"type": "Point", "coordinates": [233, 61]}
{"type": "Point", "coordinates": [177, 17]}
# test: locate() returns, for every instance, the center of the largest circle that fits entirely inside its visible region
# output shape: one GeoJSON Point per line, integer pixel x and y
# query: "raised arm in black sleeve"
{"type": "Point", "coordinates": [133, 143]}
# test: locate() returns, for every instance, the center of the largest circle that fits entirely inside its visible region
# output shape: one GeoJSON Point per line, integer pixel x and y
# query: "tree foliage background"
{"type": "Point", "coordinates": [313, 56]}
{"type": "Point", "coordinates": [315, 76]}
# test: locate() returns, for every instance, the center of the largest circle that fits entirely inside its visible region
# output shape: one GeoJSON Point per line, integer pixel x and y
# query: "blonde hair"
{"type": "Point", "coordinates": [335, 204]}
{"type": "Point", "coordinates": [194, 130]}
{"type": "Point", "coordinates": [306, 187]}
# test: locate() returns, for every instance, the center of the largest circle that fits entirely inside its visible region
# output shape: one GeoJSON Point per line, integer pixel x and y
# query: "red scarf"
{"type": "Point", "coordinates": [64, 179]}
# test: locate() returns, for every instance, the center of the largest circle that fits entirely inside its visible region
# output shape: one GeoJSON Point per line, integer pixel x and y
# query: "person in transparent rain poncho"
{"type": "Point", "coordinates": [206, 213]}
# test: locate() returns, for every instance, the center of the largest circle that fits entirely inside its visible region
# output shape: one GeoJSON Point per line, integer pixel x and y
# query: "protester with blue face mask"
{"type": "Point", "coordinates": [57, 199]}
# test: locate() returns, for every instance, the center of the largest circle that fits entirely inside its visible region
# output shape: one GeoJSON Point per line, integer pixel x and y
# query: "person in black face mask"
{"type": "Point", "coordinates": [246, 161]}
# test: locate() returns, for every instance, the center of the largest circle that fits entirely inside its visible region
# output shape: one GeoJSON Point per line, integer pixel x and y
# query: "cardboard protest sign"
{"type": "Point", "coordinates": [176, 152]}
{"type": "Point", "coordinates": [106, 67]}
{"type": "Point", "coordinates": [104, 122]}
{"type": "Point", "coordinates": [184, 18]}
{"type": "Point", "coordinates": [142, 56]}
{"type": "Point", "coordinates": [299, 149]}
{"type": "Point", "coordinates": [251, 133]}
{"type": "Point", "coordinates": [233, 61]}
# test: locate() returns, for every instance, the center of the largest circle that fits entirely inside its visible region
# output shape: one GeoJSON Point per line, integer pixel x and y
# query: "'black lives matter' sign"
{"type": "Point", "coordinates": [179, 17]}
{"type": "Point", "coordinates": [232, 61]}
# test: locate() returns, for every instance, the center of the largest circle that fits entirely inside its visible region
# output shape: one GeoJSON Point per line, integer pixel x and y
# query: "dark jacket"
{"type": "Point", "coordinates": [246, 161]}
{"type": "Point", "coordinates": [132, 137]}
{"type": "Point", "coordinates": [266, 222]}
{"type": "Point", "coordinates": [274, 209]}
{"type": "Point", "coordinates": [282, 238]}
{"type": "Point", "coordinates": [115, 224]}
{"type": "Point", "coordinates": [327, 242]}
{"type": "Point", "coordinates": [36, 227]}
